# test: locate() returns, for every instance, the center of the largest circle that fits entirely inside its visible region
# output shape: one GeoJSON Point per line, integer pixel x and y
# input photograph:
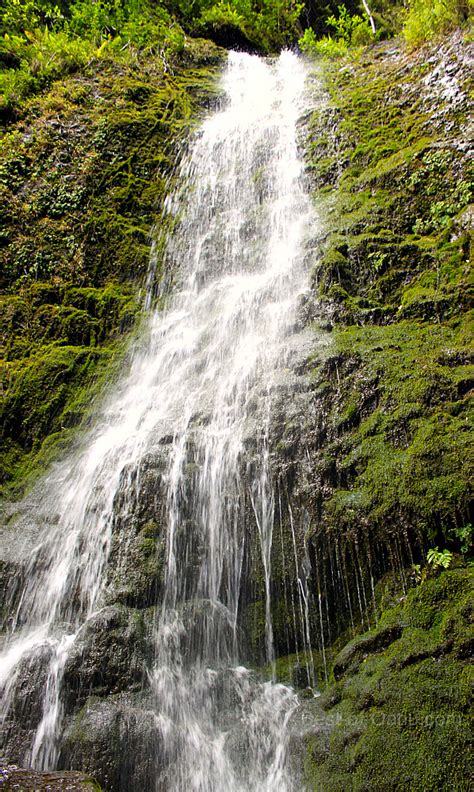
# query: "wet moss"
{"type": "Point", "coordinates": [391, 461]}
{"type": "Point", "coordinates": [404, 427]}
{"type": "Point", "coordinates": [399, 165]}
{"type": "Point", "coordinates": [400, 708]}
{"type": "Point", "coordinates": [84, 171]}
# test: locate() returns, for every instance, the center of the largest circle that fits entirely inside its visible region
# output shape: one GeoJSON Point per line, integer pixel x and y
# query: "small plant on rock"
{"type": "Point", "coordinates": [436, 559]}
{"type": "Point", "coordinates": [439, 558]}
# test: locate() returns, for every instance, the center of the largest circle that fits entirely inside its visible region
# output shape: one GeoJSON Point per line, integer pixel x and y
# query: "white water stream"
{"type": "Point", "coordinates": [204, 377]}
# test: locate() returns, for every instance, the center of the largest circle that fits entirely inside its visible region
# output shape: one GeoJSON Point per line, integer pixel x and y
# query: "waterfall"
{"type": "Point", "coordinates": [200, 386]}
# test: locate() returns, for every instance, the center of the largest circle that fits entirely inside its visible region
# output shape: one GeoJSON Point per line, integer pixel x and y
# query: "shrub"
{"type": "Point", "coordinates": [428, 18]}
{"type": "Point", "coordinates": [351, 30]}
{"type": "Point", "coordinates": [326, 46]}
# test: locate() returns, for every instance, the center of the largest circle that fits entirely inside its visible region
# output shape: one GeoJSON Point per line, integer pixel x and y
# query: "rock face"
{"type": "Point", "coordinates": [379, 467]}
{"type": "Point", "coordinates": [115, 738]}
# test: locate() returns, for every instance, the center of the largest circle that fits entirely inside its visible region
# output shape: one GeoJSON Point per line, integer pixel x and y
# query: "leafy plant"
{"type": "Point", "coordinates": [351, 30]}
{"type": "Point", "coordinates": [464, 535]}
{"type": "Point", "coordinates": [326, 46]}
{"type": "Point", "coordinates": [442, 211]}
{"type": "Point", "coordinates": [435, 559]}
{"type": "Point", "coordinates": [346, 25]}
{"type": "Point", "coordinates": [439, 558]}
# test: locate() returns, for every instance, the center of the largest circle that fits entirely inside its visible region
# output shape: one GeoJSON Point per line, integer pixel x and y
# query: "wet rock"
{"type": "Point", "coordinates": [25, 709]}
{"type": "Point", "coordinates": [310, 731]}
{"type": "Point", "coordinates": [138, 546]}
{"type": "Point", "coordinates": [111, 654]}
{"type": "Point", "coordinates": [355, 652]}
{"type": "Point", "coordinates": [18, 779]}
{"type": "Point", "coordinates": [117, 741]}
{"type": "Point", "coordinates": [136, 567]}
{"type": "Point", "coordinates": [12, 577]}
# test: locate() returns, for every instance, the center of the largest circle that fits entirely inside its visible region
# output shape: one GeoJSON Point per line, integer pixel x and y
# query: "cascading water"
{"type": "Point", "coordinates": [205, 378]}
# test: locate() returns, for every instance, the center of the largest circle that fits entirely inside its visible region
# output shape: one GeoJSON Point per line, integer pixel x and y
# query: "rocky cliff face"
{"type": "Point", "coordinates": [370, 431]}
{"type": "Point", "coordinates": [381, 465]}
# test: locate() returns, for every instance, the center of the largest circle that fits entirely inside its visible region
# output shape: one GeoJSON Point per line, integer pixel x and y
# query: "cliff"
{"type": "Point", "coordinates": [370, 452]}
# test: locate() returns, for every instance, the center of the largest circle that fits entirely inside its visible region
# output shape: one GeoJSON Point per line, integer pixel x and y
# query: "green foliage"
{"type": "Point", "coordinates": [436, 559]}
{"type": "Point", "coordinates": [326, 46]}
{"type": "Point", "coordinates": [42, 41]}
{"type": "Point", "coordinates": [441, 212]}
{"type": "Point", "coordinates": [392, 456]}
{"type": "Point", "coordinates": [465, 536]}
{"type": "Point", "coordinates": [351, 30]}
{"type": "Point", "coordinates": [222, 14]}
{"type": "Point", "coordinates": [405, 451]}
{"type": "Point", "coordinates": [17, 15]}
{"type": "Point", "coordinates": [428, 18]}
{"type": "Point", "coordinates": [44, 56]}
{"type": "Point", "coordinates": [268, 24]}
{"type": "Point", "coordinates": [345, 24]}
{"type": "Point", "coordinates": [439, 558]}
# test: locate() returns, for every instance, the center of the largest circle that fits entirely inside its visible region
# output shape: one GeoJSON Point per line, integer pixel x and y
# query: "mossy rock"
{"type": "Point", "coordinates": [400, 707]}
{"type": "Point", "coordinates": [83, 178]}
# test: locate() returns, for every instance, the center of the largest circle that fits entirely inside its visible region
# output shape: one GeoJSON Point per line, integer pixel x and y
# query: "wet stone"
{"type": "Point", "coordinates": [18, 779]}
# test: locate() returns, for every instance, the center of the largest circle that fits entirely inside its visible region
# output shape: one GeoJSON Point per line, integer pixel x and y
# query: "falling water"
{"type": "Point", "coordinates": [204, 377]}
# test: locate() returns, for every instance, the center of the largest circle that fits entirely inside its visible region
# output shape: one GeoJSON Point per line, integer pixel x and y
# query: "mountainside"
{"type": "Point", "coordinates": [371, 436]}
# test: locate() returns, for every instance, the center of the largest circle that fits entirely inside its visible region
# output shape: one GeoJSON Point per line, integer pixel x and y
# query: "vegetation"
{"type": "Point", "coordinates": [392, 481]}
{"type": "Point", "coordinates": [400, 699]}
{"type": "Point", "coordinates": [436, 560]}
{"type": "Point", "coordinates": [426, 19]}
{"type": "Point", "coordinates": [85, 164]}
{"type": "Point", "coordinates": [350, 30]}
{"type": "Point", "coordinates": [417, 20]}
{"type": "Point", "coordinates": [95, 99]}
{"type": "Point", "coordinates": [394, 277]}
{"type": "Point", "coordinates": [41, 40]}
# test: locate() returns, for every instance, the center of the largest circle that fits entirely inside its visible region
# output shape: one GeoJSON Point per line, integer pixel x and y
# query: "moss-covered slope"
{"type": "Point", "coordinates": [400, 707]}
{"type": "Point", "coordinates": [390, 162]}
{"type": "Point", "coordinates": [389, 436]}
{"type": "Point", "coordinates": [84, 170]}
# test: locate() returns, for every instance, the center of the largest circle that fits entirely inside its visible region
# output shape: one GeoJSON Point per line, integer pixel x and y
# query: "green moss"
{"type": "Point", "coordinates": [393, 168]}
{"type": "Point", "coordinates": [403, 427]}
{"type": "Point", "coordinates": [391, 458]}
{"type": "Point", "coordinates": [394, 277]}
{"type": "Point", "coordinates": [400, 710]}
{"type": "Point", "coordinates": [83, 177]}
